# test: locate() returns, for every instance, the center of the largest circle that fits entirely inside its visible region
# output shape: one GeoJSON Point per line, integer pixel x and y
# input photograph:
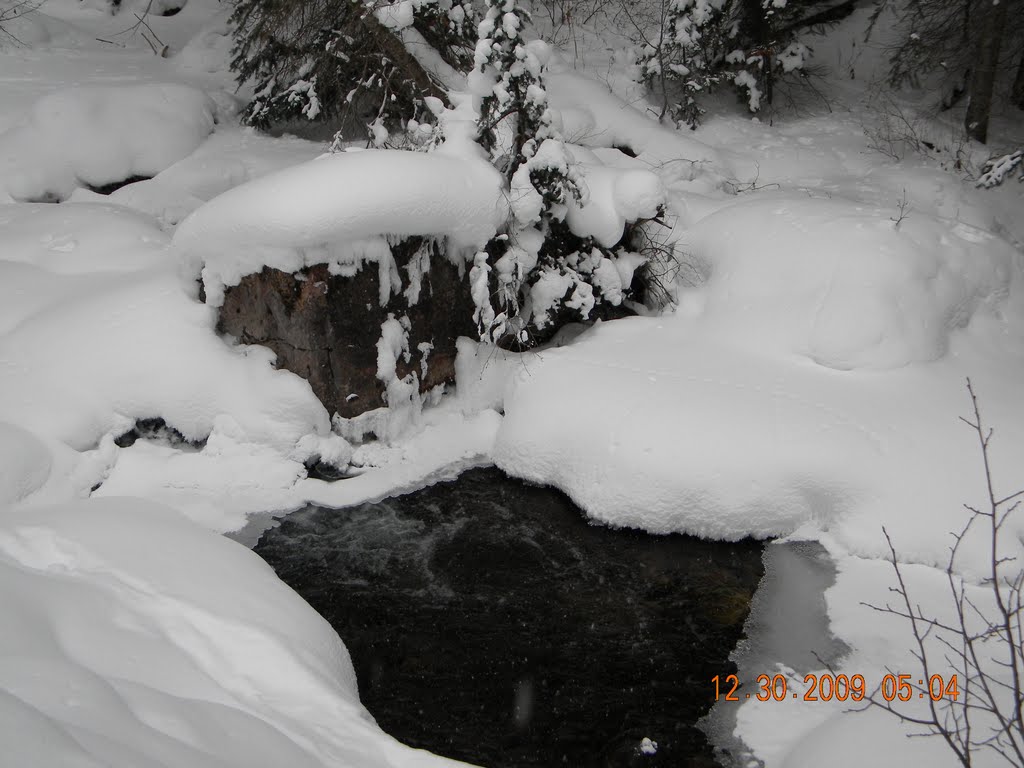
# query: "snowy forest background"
{"type": "Point", "coordinates": [714, 267]}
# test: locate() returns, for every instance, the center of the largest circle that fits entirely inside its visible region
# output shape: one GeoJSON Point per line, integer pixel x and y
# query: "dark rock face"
{"type": "Point", "coordinates": [489, 622]}
{"type": "Point", "coordinates": [325, 327]}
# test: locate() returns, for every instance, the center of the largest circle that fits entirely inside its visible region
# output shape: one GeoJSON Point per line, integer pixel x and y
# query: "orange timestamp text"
{"type": "Point", "coordinates": [829, 687]}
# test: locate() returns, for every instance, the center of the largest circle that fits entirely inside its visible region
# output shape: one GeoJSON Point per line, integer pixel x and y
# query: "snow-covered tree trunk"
{"type": "Point", "coordinates": [983, 79]}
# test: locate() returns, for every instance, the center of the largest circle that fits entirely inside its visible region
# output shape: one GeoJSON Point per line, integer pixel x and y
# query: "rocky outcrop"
{"type": "Point", "coordinates": [325, 327]}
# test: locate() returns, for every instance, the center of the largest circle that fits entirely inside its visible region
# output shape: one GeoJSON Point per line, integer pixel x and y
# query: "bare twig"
{"type": "Point", "coordinates": [983, 645]}
{"type": "Point", "coordinates": [13, 11]}
{"type": "Point", "coordinates": [902, 211]}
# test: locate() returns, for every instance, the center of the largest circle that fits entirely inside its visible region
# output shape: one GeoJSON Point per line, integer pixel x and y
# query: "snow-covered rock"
{"type": "Point", "coordinates": [326, 327]}
{"type": "Point", "coordinates": [318, 212]}
{"type": "Point", "coordinates": [139, 347]}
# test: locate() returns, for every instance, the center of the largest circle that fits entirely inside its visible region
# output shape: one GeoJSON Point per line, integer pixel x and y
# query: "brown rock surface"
{"type": "Point", "coordinates": [325, 327]}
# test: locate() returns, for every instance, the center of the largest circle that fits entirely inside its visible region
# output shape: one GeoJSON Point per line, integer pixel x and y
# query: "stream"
{"type": "Point", "coordinates": [488, 621]}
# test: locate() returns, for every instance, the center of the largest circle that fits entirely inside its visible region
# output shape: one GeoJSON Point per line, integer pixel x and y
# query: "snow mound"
{"type": "Point", "coordinates": [24, 463]}
{"type": "Point", "coordinates": [96, 135]}
{"type": "Point", "coordinates": [114, 654]}
{"type": "Point", "coordinates": [139, 347]}
{"type": "Point", "coordinates": [293, 218]}
{"type": "Point", "coordinates": [861, 290]}
{"type": "Point", "coordinates": [659, 448]}
{"type": "Point", "coordinates": [659, 424]}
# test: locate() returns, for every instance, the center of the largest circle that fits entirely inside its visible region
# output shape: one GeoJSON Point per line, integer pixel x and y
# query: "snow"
{"type": "Point", "coordinates": [862, 290]}
{"type": "Point", "coordinates": [95, 135]}
{"type": "Point", "coordinates": [402, 395]}
{"type": "Point", "coordinates": [122, 656]}
{"type": "Point", "coordinates": [806, 383]}
{"type": "Point", "coordinates": [396, 16]}
{"type": "Point", "coordinates": [798, 733]}
{"type": "Point", "coordinates": [781, 403]}
{"type": "Point", "coordinates": [115, 653]}
{"type": "Point", "coordinates": [525, 199]}
{"type": "Point", "coordinates": [127, 360]}
{"type": "Point", "coordinates": [287, 219]}
{"type": "Point", "coordinates": [24, 463]}
{"type": "Point", "coordinates": [217, 486]}
{"type": "Point", "coordinates": [34, 29]}
{"type": "Point", "coordinates": [593, 116]}
{"type": "Point", "coordinates": [617, 196]}
{"type": "Point", "coordinates": [80, 238]}
{"type": "Point", "coordinates": [209, 50]}
{"type": "Point", "coordinates": [483, 314]}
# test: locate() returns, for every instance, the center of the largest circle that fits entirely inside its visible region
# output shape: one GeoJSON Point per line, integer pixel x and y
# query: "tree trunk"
{"type": "Point", "coordinates": [986, 64]}
{"type": "Point", "coordinates": [1017, 94]}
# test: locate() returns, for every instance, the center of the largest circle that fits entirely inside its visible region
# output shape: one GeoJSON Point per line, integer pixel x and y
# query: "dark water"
{"type": "Point", "coordinates": [489, 622]}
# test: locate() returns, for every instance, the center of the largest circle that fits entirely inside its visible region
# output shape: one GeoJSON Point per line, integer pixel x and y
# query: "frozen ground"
{"type": "Point", "coordinates": [807, 385]}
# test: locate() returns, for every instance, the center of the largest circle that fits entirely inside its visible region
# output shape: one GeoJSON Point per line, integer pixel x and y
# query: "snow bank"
{"type": "Point", "coordinates": [115, 654]}
{"type": "Point", "coordinates": [661, 436]}
{"type": "Point", "coordinates": [861, 291]}
{"type": "Point", "coordinates": [650, 423]}
{"type": "Point", "coordinates": [295, 217]}
{"type": "Point", "coordinates": [732, 417]}
{"type": "Point", "coordinates": [95, 135]}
